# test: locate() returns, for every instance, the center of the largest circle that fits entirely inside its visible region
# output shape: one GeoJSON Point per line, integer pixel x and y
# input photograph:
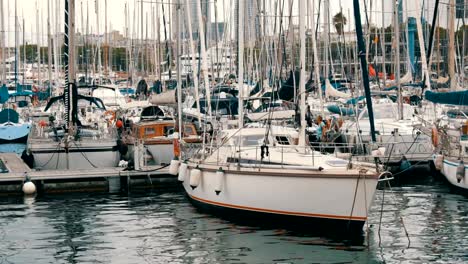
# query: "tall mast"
{"type": "Point", "coordinates": [56, 45]}
{"type": "Point", "coordinates": [24, 50]}
{"type": "Point", "coordinates": [141, 36]}
{"type": "Point", "coordinates": [425, 69]}
{"type": "Point", "coordinates": [16, 45]}
{"type": "Point", "coordinates": [396, 26]}
{"type": "Point", "coordinates": [69, 59]}
{"type": "Point", "coordinates": [451, 55]}
{"type": "Point", "coordinates": [382, 43]}
{"type": "Point", "coordinates": [204, 59]}
{"type": "Point", "coordinates": [302, 91]}
{"type": "Point", "coordinates": [326, 33]}
{"type": "Point", "coordinates": [364, 69]}
{"type": "Point", "coordinates": [49, 46]}
{"type": "Point", "coordinates": [99, 64]}
{"type": "Point", "coordinates": [316, 58]}
{"type": "Point", "coordinates": [106, 42]}
{"type": "Point", "coordinates": [2, 41]}
{"type": "Point", "coordinates": [192, 56]}
{"type": "Point", "coordinates": [38, 47]}
{"type": "Point", "coordinates": [240, 59]}
{"type": "Point", "coordinates": [179, 69]}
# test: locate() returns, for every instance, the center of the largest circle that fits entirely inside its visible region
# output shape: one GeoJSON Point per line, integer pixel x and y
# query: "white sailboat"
{"type": "Point", "coordinates": [68, 143]}
{"type": "Point", "coordinates": [263, 174]}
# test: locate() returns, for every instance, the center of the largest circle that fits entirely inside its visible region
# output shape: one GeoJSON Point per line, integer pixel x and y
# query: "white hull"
{"type": "Point", "coordinates": [316, 195]}
{"type": "Point", "coordinates": [161, 153]}
{"type": "Point", "coordinates": [449, 170]}
{"type": "Point", "coordinates": [82, 155]}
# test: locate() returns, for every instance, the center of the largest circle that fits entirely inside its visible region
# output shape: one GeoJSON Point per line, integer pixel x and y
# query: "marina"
{"type": "Point", "coordinates": [247, 131]}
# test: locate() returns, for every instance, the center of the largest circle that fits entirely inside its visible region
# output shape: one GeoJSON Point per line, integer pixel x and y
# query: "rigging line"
{"type": "Point", "coordinates": [84, 155]}
{"type": "Point", "coordinates": [401, 218]}
{"type": "Point", "coordinates": [381, 216]}
{"type": "Point", "coordinates": [50, 159]}
{"type": "Point", "coordinates": [354, 201]}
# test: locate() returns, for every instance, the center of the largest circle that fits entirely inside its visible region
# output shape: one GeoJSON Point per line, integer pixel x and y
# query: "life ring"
{"type": "Point", "coordinates": [435, 136]}
{"type": "Point", "coordinates": [111, 114]}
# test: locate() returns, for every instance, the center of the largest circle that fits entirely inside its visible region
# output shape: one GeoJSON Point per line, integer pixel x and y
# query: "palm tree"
{"type": "Point", "coordinates": [339, 21]}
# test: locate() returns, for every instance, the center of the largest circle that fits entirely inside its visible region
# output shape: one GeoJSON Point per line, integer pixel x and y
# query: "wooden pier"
{"type": "Point", "coordinates": [111, 179]}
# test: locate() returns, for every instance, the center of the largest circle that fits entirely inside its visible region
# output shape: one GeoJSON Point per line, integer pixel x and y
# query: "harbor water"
{"type": "Point", "coordinates": [163, 227]}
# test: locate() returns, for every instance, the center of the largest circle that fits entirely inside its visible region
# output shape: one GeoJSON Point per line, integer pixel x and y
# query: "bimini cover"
{"type": "Point", "coordinates": [9, 115]}
{"type": "Point", "coordinates": [450, 98]}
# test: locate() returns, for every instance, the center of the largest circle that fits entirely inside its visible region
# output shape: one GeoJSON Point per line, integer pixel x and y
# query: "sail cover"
{"type": "Point", "coordinates": [450, 98]}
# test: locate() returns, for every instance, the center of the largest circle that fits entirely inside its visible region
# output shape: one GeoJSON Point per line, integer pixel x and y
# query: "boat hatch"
{"type": "Point", "coordinates": [337, 163]}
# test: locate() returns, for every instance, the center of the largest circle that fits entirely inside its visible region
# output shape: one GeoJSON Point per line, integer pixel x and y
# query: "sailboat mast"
{"type": "Point", "coordinates": [240, 60]}
{"type": "Point", "coordinates": [302, 141]}
{"type": "Point", "coordinates": [326, 35]}
{"type": "Point", "coordinates": [38, 46]}
{"type": "Point", "coordinates": [316, 58]}
{"type": "Point", "coordinates": [49, 46]}
{"type": "Point", "coordinates": [179, 68]}
{"type": "Point", "coordinates": [106, 42]}
{"type": "Point", "coordinates": [69, 59]}
{"type": "Point", "coordinates": [192, 58]}
{"type": "Point", "coordinates": [24, 50]}
{"type": "Point", "coordinates": [204, 59]}
{"type": "Point", "coordinates": [3, 42]}
{"type": "Point", "coordinates": [451, 50]}
{"type": "Point", "coordinates": [364, 69]}
{"type": "Point", "coordinates": [396, 26]}
{"type": "Point", "coordinates": [16, 44]}
{"type": "Point", "coordinates": [431, 37]}
{"type": "Point", "coordinates": [382, 43]}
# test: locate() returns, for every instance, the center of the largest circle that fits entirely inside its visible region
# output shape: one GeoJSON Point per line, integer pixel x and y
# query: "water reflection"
{"type": "Point", "coordinates": [165, 228]}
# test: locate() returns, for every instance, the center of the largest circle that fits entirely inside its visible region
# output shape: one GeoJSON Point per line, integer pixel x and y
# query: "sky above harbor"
{"type": "Point", "coordinates": [27, 12]}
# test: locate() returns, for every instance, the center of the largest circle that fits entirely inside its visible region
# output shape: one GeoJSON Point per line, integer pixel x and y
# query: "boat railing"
{"type": "Point", "coordinates": [42, 131]}
{"type": "Point", "coordinates": [274, 155]}
{"type": "Point", "coordinates": [311, 155]}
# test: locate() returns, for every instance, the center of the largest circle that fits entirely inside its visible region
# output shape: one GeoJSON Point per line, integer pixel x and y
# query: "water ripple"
{"type": "Point", "coordinates": [165, 228]}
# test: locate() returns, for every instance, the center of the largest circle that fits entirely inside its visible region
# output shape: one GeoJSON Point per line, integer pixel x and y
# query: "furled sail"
{"type": "Point", "coordinates": [330, 91]}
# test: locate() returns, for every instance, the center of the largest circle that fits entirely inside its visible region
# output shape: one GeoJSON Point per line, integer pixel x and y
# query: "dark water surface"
{"type": "Point", "coordinates": [163, 227]}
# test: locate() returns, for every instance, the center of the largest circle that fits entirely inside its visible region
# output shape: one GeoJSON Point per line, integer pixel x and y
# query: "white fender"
{"type": "Point", "coordinates": [195, 178]}
{"type": "Point", "coordinates": [29, 188]}
{"type": "Point", "coordinates": [174, 167]}
{"type": "Point", "coordinates": [182, 171]}
{"type": "Point", "coordinates": [219, 181]}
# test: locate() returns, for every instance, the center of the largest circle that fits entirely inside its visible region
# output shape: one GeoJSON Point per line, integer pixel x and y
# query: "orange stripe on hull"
{"type": "Point", "coordinates": [279, 212]}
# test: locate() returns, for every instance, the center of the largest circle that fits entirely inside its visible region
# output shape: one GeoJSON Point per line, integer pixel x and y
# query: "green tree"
{"type": "Point", "coordinates": [339, 21]}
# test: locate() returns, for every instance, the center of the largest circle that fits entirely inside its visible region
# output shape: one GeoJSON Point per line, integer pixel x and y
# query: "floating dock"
{"type": "Point", "coordinates": [115, 179]}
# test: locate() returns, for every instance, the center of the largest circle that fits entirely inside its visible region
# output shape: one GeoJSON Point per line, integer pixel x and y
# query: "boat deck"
{"type": "Point", "coordinates": [13, 164]}
{"type": "Point", "coordinates": [19, 175]}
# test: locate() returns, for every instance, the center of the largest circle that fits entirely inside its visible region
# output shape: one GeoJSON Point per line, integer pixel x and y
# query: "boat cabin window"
{"type": "Point", "coordinates": [253, 140]}
{"type": "Point", "coordinates": [188, 130]}
{"type": "Point", "coordinates": [149, 131]}
{"type": "Point", "coordinates": [282, 140]}
{"type": "Point", "coordinates": [168, 130]}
